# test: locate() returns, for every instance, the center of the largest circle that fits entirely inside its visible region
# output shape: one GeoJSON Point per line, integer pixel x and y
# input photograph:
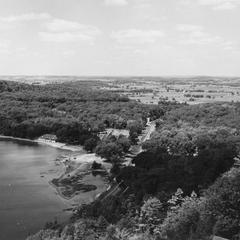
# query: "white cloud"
{"type": "Point", "coordinates": [220, 4]}
{"type": "Point", "coordinates": [142, 4]}
{"type": "Point", "coordinates": [141, 52]}
{"type": "Point", "coordinates": [4, 47]}
{"type": "Point", "coordinates": [7, 48]}
{"type": "Point", "coordinates": [116, 2]}
{"type": "Point", "coordinates": [60, 30]}
{"type": "Point", "coordinates": [202, 38]}
{"type": "Point", "coordinates": [65, 37]}
{"type": "Point", "coordinates": [229, 46]}
{"type": "Point", "coordinates": [137, 36]}
{"type": "Point", "coordinates": [59, 25]}
{"type": "Point", "coordinates": [54, 29]}
{"type": "Point", "coordinates": [195, 34]}
{"type": "Point", "coordinates": [68, 53]}
{"type": "Point", "coordinates": [225, 6]}
{"type": "Point", "coordinates": [4, 43]}
{"type": "Point", "coordinates": [188, 27]}
{"type": "Point", "coordinates": [214, 4]}
{"type": "Point", "coordinates": [25, 17]}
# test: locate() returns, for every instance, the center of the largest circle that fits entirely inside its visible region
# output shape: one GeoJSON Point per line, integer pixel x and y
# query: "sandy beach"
{"type": "Point", "coordinates": [59, 145]}
{"type": "Point", "coordinates": [78, 177]}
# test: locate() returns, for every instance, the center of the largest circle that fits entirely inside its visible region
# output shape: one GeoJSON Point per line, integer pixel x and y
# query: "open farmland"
{"type": "Point", "coordinates": [192, 90]}
{"type": "Point", "coordinates": [151, 90]}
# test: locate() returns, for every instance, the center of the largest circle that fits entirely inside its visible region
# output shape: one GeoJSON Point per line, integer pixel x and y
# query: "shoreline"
{"type": "Point", "coordinates": [77, 153]}
{"type": "Point", "coordinates": [77, 159]}
{"type": "Point", "coordinates": [72, 183]}
{"type": "Point", "coordinates": [59, 145]}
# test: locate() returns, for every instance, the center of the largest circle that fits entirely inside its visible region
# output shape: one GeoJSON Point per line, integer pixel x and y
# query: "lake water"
{"type": "Point", "coordinates": [27, 201]}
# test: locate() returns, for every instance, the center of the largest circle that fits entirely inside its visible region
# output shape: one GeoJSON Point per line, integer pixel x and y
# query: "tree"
{"type": "Point", "coordinates": [215, 213]}
{"type": "Point", "coordinates": [135, 128]}
{"type": "Point", "coordinates": [182, 218]}
{"type": "Point", "coordinates": [111, 151]}
{"type": "Point", "coordinates": [151, 215]}
{"type": "Point", "coordinates": [222, 206]}
{"type": "Point", "coordinates": [91, 143]}
{"type": "Point", "coordinates": [133, 137]}
{"type": "Point", "coordinates": [114, 233]}
{"type": "Point", "coordinates": [124, 143]}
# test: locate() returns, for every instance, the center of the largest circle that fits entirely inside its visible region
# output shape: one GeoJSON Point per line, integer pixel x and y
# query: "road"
{"type": "Point", "coordinates": [149, 130]}
{"type": "Point", "coordinates": [135, 150]}
{"type": "Point", "coordinates": [115, 187]}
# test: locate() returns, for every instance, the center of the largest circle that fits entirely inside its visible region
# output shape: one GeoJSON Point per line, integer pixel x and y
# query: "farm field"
{"type": "Point", "coordinates": [192, 90]}
{"type": "Point", "coordinates": [151, 90]}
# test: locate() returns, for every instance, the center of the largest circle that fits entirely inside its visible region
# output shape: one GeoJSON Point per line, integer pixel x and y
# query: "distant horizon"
{"type": "Point", "coordinates": [102, 76]}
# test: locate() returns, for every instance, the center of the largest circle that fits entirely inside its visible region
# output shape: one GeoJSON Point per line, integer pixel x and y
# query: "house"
{"type": "Point", "coordinates": [48, 137]}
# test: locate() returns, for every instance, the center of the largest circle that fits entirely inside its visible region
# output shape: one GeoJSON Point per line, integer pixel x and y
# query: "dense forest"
{"type": "Point", "coordinates": [75, 112]}
{"type": "Point", "coordinates": [183, 186]}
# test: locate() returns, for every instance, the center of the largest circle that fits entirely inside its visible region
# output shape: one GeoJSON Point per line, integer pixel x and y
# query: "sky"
{"type": "Point", "coordinates": [120, 37]}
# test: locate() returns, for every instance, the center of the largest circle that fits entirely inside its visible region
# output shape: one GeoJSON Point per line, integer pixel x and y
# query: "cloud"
{"type": "Point", "coordinates": [25, 17]}
{"type": "Point", "coordinates": [142, 4]}
{"type": "Point", "coordinates": [54, 29]}
{"type": "Point", "coordinates": [137, 36]}
{"type": "Point", "coordinates": [188, 28]}
{"type": "Point", "coordinates": [197, 35]}
{"type": "Point", "coordinates": [116, 2]}
{"type": "Point", "coordinates": [202, 38]}
{"type": "Point", "coordinates": [225, 6]}
{"type": "Point", "coordinates": [68, 53]}
{"type": "Point", "coordinates": [214, 4]}
{"type": "Point", "coordinates": [229, 46]}
{"type": "Point", "coordinates": [61, 25]}
{"type": "Point", "coordinates": [141, 51]}
{"type": "Point", "coordinates": [65, 37]}
{"type": "Point", "coordinates": [60, 30]}
{"type": "Point", "coordinates": [4, 47]}
{"type": "Point", "coordinates": [220, 4]}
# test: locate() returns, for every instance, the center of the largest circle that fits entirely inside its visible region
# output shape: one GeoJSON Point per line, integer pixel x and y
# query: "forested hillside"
{"type": "Point", "coordinates": [74, 112]}
{"type": "Point", "coordinates": [183, 186]}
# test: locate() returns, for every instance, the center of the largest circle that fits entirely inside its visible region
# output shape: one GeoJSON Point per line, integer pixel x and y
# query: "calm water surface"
{"type": "Point", "coordinates": [27, 201]}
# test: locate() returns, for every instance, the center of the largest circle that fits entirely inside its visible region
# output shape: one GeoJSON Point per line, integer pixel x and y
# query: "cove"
{"type": "Point", "coordinates": [27, 200]}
